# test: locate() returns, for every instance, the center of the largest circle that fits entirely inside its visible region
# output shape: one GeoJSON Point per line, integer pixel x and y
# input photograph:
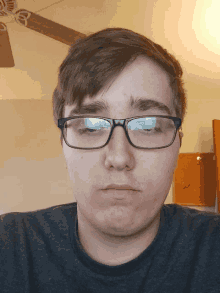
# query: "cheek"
{"type": "Point", "coordinates": [168, 157]}
{"type": "Point", "coordinates": [157, 170]}
{"type": "Point", "coordinates": [168, 164]}
{"type": "Point", "coordinates": [158, 165]}
{"type": "Point", "coordinates": [80, 167]}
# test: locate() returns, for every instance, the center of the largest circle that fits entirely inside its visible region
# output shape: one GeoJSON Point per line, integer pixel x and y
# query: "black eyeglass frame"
{"type": "Point", "coordinates": [177, 121]}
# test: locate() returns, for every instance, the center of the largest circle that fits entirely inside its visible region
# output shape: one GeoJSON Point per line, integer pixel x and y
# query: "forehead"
{"type": "Point", "coordinates": [141, 86]}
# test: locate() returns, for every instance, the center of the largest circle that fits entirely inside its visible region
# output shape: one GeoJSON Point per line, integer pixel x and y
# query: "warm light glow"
{"type": "Point", "coordinates": [212, 19]}
{"type": "Point", "coordinates": [206, 24]}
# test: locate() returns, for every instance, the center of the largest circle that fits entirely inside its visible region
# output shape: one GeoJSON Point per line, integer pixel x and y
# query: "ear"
{"type": "Point", "coordinates": [180, 136]}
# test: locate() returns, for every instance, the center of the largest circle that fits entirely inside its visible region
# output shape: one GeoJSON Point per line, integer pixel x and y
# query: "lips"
{"type": "Point", "coordinates": [120, 187]}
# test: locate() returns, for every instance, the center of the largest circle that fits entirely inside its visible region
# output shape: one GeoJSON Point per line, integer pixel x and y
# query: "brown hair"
{"type": "Point", "coordinates": [95, 60]}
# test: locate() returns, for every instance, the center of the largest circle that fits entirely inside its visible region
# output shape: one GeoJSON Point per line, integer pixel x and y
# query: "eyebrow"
{"type": "Point", "coordinates": [139, 103]}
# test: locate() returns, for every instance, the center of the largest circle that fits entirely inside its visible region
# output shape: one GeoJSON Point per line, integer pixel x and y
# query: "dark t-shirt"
{"type": "Point", "coordinates": [40, 252]}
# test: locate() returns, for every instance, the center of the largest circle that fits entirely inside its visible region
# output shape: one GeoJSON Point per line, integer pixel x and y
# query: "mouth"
{"type": "Point", "coordinates": [124, 196]}
{"type": "Point", "coordinates": [123, 187]}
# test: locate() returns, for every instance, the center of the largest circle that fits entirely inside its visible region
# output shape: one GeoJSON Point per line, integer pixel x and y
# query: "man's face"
{"type": "Point", "coordinates": [148, 170]}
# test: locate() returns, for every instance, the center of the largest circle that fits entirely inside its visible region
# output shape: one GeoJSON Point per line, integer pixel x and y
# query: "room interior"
{"type": "Point", "coordinates": [33, 172]}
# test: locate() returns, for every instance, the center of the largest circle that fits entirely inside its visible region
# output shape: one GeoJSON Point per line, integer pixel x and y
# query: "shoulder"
{"type": "Point", "coordinates": [63, 208]}
{"type": "Point", "coordinates": [192, 220]}
{"type": "Point", "coordinates": [25, 222]}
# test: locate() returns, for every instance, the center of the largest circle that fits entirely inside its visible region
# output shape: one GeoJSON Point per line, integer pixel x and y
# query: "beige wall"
{"type": "Point", "coordinates": [32, 166]}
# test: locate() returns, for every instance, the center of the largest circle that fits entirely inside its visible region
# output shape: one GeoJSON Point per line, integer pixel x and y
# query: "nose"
{"type": "Point", "coordinates": [119, 137]}
{"type": "Point", "coordinates": [119, 155]}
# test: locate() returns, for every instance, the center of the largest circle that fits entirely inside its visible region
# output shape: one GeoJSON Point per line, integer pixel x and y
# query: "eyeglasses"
{"type": "Point", "coordinates": [143, 132]}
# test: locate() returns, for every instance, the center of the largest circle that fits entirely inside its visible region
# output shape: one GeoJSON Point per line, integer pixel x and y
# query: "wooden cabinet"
{"type": "Point", "coordinates": [216, 140]}
{"type": "Point", "coordinates": [195, 180]}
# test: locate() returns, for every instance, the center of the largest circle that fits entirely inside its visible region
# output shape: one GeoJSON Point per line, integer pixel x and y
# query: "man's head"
{"type": "Point", "coordinates": [128, 72]}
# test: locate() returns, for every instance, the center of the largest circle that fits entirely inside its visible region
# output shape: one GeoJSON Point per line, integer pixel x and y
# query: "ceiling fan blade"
{"type": "Point", "coordinates": [6, 57]}
{"type": "Point", "coordinates": [47, 27]}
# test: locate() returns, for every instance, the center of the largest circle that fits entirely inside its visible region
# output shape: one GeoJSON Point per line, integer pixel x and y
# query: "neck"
{"type": "Point", "coordinates": [115, 250]}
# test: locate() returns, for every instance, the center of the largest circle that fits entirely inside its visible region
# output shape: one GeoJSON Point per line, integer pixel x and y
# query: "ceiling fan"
{"type": "Point", "coordinates": [33, 21]}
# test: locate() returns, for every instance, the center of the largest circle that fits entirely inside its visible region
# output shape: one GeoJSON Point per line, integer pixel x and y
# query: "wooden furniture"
{"type": "Point", "coordinates": [216, 139]}
{"type": "Point", "coordinates": [195, 180]}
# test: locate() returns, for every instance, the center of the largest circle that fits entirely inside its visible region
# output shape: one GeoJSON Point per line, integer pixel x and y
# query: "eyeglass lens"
{"type": "Point", "coordinates": [146, 132]}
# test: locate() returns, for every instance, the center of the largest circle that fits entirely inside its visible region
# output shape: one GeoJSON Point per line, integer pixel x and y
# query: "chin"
{"type": "Point", "coordinates": [120, 221]}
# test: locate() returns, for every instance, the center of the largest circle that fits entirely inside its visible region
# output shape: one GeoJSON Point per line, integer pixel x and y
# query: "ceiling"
{"type": "Point", "coordinates": [37, 56]}
{"type": "Point", "coordinates": [32, 5]}
{"type": "Point", "coordinates": [180, 26]}
{"type": "Point", "coordinates": [44, 9]}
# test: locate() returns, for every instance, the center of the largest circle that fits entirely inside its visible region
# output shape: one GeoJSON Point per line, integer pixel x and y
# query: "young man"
{"type": "Point", "coordinates": [121, 144]}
